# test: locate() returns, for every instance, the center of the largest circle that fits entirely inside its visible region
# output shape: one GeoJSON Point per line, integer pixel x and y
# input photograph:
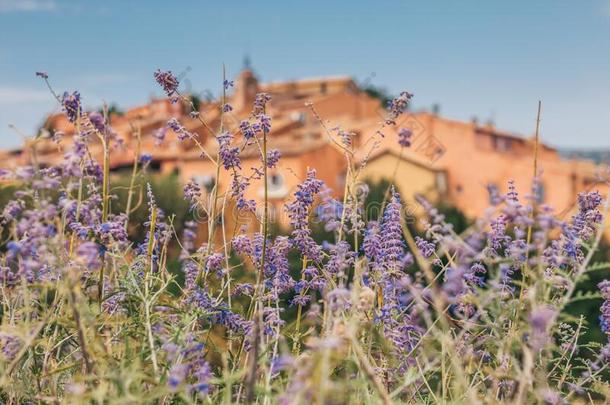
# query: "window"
{"type": "Point", "coordinates": [205, 180]}
{"type": "Point", "coordinates": [501, 144]}
{"type": "Point", "coordinates": [276, 180]}
{"type": "Point", "coordinates": [276, 186]}
{"type": "Point", "coordinates": [298, 116]}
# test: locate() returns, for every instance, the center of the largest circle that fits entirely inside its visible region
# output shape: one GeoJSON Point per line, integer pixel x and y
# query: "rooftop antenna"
{"type": "Point", "coordinates": [247, 62]}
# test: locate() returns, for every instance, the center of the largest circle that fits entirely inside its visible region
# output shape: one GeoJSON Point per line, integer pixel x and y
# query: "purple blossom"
{"type": "Point", "coordinates": [159, 135]}
{"type": "Point", "coordinates": [98, 121]}
{"type": "Point", "coordinates": [265, 122]}
{"type": "Point", "coordinates": [392, 245]}
{"type": "Point", "coordinates": [372, 241]}
{"type": "Point", "coordinates": [42, 75]}
{"type": "Point", "coordinates": [242, 245]}
{"type": "Point", "coordinates": [604, 318]}
{"type": "Point", "coordinates": [89, 253]}
{"type": "Point", "coordinates": [71, 105]}
{"type": "Point", "coordinates": [12, 209]}
{"type": "Point", "coordinates": [397, 106]}
{"type": "Point", "coordinates": [541, 319]}
{"type": "Point", "coordinates": [192, 192]}
{"type": "Point", "coordinates": [145, 158]}
{"type": "Point", "coordinates": [229, 156]}
{"type": "Point", "coordinates": [167, 81]}
{"type": "Point", "coordinates": [273, 157]}
{"type": "Point", "coordinates": [426, 248]}
{"type": "Point", "coordinates": [260, 101]}
{"type": "Point", "coordinates": [247, 130]}
{"type": "Point", "coordinates": [588, 216]}
{"type": "Point", "coordinates": [180, 131]}
{"type": "Point", "coordinates": [298, 212]}
{"type": "Point", "coordinates": [404, 137]}
{"type": "Point", "coordinates": [214, 262]}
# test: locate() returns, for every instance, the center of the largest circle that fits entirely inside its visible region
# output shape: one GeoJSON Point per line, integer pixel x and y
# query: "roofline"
{"type": "Point", "coordinates": [309, 80]}
{"type": "Point", "coordinates": [407, 159]}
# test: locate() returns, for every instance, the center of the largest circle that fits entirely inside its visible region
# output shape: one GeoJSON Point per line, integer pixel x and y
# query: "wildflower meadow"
{"type": "Point", "coordinates": [190, 310]}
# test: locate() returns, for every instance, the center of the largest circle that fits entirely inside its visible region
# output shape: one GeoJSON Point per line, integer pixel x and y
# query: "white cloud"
{"type": "Point", "coordinates": [7, 6]}
{"type": "Point", "coordinates": [15, 95]}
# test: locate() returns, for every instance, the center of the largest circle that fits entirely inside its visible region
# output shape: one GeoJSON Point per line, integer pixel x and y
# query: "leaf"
{"type": "Point", "coordinates": [598, 266]}
{"type": "Point", "coordinates": [586, 295]}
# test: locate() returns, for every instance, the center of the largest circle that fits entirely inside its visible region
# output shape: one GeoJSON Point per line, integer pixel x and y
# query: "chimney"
{"type": "Point", "coordinates": [246, 87]}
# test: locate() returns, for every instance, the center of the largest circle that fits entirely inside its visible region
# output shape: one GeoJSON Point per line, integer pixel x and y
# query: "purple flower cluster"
{"type": "Point", "coordinates": [229, 155]}
{"type": "Point", "coordinates": [397, 106]}
{"type": "Point", "coordinates": [192, 192]}
{"type": "Point", "coordinates": [404, 137]}
{"type": "Point", "coordinates": [167, 81]}
{"type": "Point", "coordinates": [604, 318]}
{"type": "Point", "coordinates": [178, 129]}
{"type": "Point", "coordinates": [273, 157]}
{"type": "Point", "coordinates": [71, 104]}
{"type": "Point", "coordinates": [392, 244]}
{"type": "Point", "coordinates": [299, 210]}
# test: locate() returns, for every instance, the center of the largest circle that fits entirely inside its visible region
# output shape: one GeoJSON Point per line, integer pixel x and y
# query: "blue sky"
{"type": "Point", "coordinates": [493, 60]}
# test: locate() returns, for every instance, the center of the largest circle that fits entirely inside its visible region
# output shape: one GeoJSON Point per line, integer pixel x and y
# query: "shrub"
{"type": "Point", "coordinates": [374, 314]}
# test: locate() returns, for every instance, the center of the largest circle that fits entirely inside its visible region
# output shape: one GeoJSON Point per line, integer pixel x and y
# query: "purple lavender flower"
{"type": "Point", "coordinates": [239, 184]}
{"type": "Point", "coordinates": [260, 101]}
{"type": "Point", "coordinates": [71, 105]}
{"type": "Point", "coordinates": [159, 135]}
{"type": "Point", "coordinates": [113, 229]}
{"type": "Point", "coordinates": [247, 130]}
{"type": "Point", "coordinates": [588, 216]}
{"type": "Point", "coordinates": [426, 248]}
{"type": "Point", "coordinates": [404, 137]}
{"type": "Point", "coordinates": [497, 236]}
{"type": "Point", "coordinates": [42, 75]}
{"type": "Point", "coordinates": [89, 252]}
{"type": "Point", "coordinates": [392, 245]}
{"type": "Point", "coordinates": [227, 84]}
{"type": "Point", "coordinates": [192, 192]}
{"type": "Point", "coordinates": [265, 122]}
{"type": "Point", "coordinates": [227, 108]}
{"type": "Point", "coordinates": [10, 345]}
{"type": "Point", "coordinates": [167, 81]}
{"type": "Point", "coordinates": [397, 106]}
{"type": "Point", "coordinates": [339, 299]}
{"type": "Point", "coordinates": [273, 157]}
{"type": "Point", "coordinates": [512, 195]}
{"type": "Point", "coordinates": [98, 121]}
{"type": "Point", "coordinates": [214, 262]}
{"type": "Point", "coordinates": [604, 318]}
{"type": "Point", "coordinates": [12, 209]}
{"type": "Point", "coordinates": [242, 245]}
{"type": "Point", "coordinates": [229, 156]}
{"type": "Point", "coordinates": [541, 319]}
{"type": "Point", "coordinates": [180, 131]}
{"type": "Point", "coordinates": [145, 158]}
{"type": "Point", "coordinates": [298, 211]}
{"type": "Point", "coordinates": [341, 258]}
{"type": "Point", "coordinates": [329, 211]}
{"type": "Point", "coordinates": [372, 241]}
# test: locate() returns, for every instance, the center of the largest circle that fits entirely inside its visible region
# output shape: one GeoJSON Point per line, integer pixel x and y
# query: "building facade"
{"type": "Point", "coordinates": [450, 161]}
